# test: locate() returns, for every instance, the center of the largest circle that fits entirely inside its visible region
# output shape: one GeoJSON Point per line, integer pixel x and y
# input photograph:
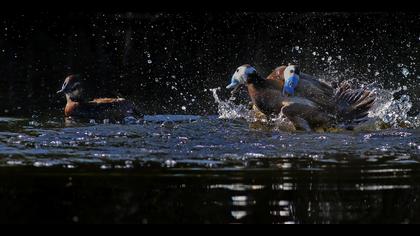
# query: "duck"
{"type": "Point", "coordinates": [303, 85]}
{"type": "Point", "coordinates": [80, 105]}
{"type": "Point", "coordinates": [307, 102]}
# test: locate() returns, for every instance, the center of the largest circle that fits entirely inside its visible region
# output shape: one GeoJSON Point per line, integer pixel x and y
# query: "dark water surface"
{"type": "Point", "coordinates": [204, 169]}
{"type": "Point", "coordinates": [180, 169]}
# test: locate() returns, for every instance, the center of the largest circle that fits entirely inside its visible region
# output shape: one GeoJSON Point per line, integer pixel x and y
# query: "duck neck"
{"type": "Point", "coordinates": [78, 95]}
{"type": "Point", "coordinates": [73, 99]}
{"type": "Point", "coordinates": [257, 81]}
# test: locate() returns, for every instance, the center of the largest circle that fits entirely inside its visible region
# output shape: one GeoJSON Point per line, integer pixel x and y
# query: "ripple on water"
{"type": "Point", "coordinates": [205, 142]}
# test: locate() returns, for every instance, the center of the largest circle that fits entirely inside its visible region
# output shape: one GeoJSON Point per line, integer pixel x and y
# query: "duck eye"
{"type": "Point", "coordinates": [237, 70]}
{"type": "Point", "coordinates": [291, 71]}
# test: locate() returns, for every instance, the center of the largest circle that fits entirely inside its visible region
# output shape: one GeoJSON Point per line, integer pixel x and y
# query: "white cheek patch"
{"type": "Point", "coordinates": [287, 73]}
{"type": "Point", "coordinates": [240, 75]}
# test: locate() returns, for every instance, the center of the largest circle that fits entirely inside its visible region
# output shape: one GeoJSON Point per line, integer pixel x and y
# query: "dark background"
{"type": "Point", "coordinates": [190, 52]}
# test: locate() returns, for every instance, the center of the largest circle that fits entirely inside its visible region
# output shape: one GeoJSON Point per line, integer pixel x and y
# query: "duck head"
{"type": "Point", "coordinates": [241, 76]}
{"type": "Point", "coordinates": [291, 79]}
{"type": "Point", "coordinates": [73, 88]}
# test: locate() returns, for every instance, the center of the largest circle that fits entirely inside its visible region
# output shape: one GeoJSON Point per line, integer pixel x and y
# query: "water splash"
{"type": "Point", "coordinates": [229, 110]}
{"type": "Point", "coordinates": [388, 111]}
{"type": "Point", "coordinates": [394, 112]}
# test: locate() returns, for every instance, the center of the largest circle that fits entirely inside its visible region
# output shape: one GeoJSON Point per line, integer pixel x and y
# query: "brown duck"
{"type": "Point", "coordinates": [312, 104]}
{"type": "Point", "coordinates": [80, 105]}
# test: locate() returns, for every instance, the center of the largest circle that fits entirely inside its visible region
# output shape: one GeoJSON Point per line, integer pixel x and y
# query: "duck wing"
{"type": "Point", "coordinates": [353, 105]}
{"type": "Point", "coordinates": [305, 114]}
{"type": "Point", "coordinates": [107, 108]}
{"type": "Point", "coordinates": [317, 91]}
{"type": "Point", "coordinates": [309, 87]}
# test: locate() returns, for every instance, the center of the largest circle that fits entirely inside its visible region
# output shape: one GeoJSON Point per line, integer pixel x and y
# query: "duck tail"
{"type": "Point", "coordinates": [353, 105]}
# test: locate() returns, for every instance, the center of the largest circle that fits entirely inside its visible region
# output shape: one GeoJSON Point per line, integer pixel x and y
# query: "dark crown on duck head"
{"type": "Point", "coordinates": [72, 88]}
{"type": "Point", "coordinates": [252, 75]}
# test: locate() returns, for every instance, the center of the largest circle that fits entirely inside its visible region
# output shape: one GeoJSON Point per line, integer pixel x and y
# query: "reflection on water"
{"type": "Point", "coordinates": [343, 195]}
{"type": "Point", "coordinates": [180, 169]}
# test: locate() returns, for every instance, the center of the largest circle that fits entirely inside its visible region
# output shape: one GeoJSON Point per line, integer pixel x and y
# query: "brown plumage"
{"type": "Point", "coordinates": [79, 105]}
{"type": "Point", "coordinates": [353, 105]}
{"type": "Point", "coordinates": [309, 87]}
{"type": "Point", "coordinates": [315, 104]}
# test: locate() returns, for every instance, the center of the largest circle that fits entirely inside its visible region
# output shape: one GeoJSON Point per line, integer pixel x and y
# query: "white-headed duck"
{"type": "Point", "coordinates": [307, 102]}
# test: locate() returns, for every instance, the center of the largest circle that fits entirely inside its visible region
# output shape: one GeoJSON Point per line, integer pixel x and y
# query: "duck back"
{"type": "Point", "coordinates": [309, 87]}
{"type": "Point", "coordinates": [103, 108]}
{"type": "Point", "coordinates": [317, 91]}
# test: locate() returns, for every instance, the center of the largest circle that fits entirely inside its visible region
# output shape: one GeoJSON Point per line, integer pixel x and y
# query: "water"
{"type": "Point", "coordinates": [205, 169]}
{"type": "Point", "coordinates": [219, 162]}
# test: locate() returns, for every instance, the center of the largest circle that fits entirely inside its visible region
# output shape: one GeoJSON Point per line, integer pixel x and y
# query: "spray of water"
{"type": "Point", "coordinates": [229, 110]}
{"type": "Point", "coordinates": [392, 112]}
{"type": "Point", "coordinates": [388, 112]}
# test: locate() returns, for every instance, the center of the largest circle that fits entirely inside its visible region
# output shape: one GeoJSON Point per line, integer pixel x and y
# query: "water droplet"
{"type": "Point", "coordinates": [183, 108]}
{"type": "Point", "coordinates": [149, 61]}
{"type": "Point", "coordinates": [405, 72]}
